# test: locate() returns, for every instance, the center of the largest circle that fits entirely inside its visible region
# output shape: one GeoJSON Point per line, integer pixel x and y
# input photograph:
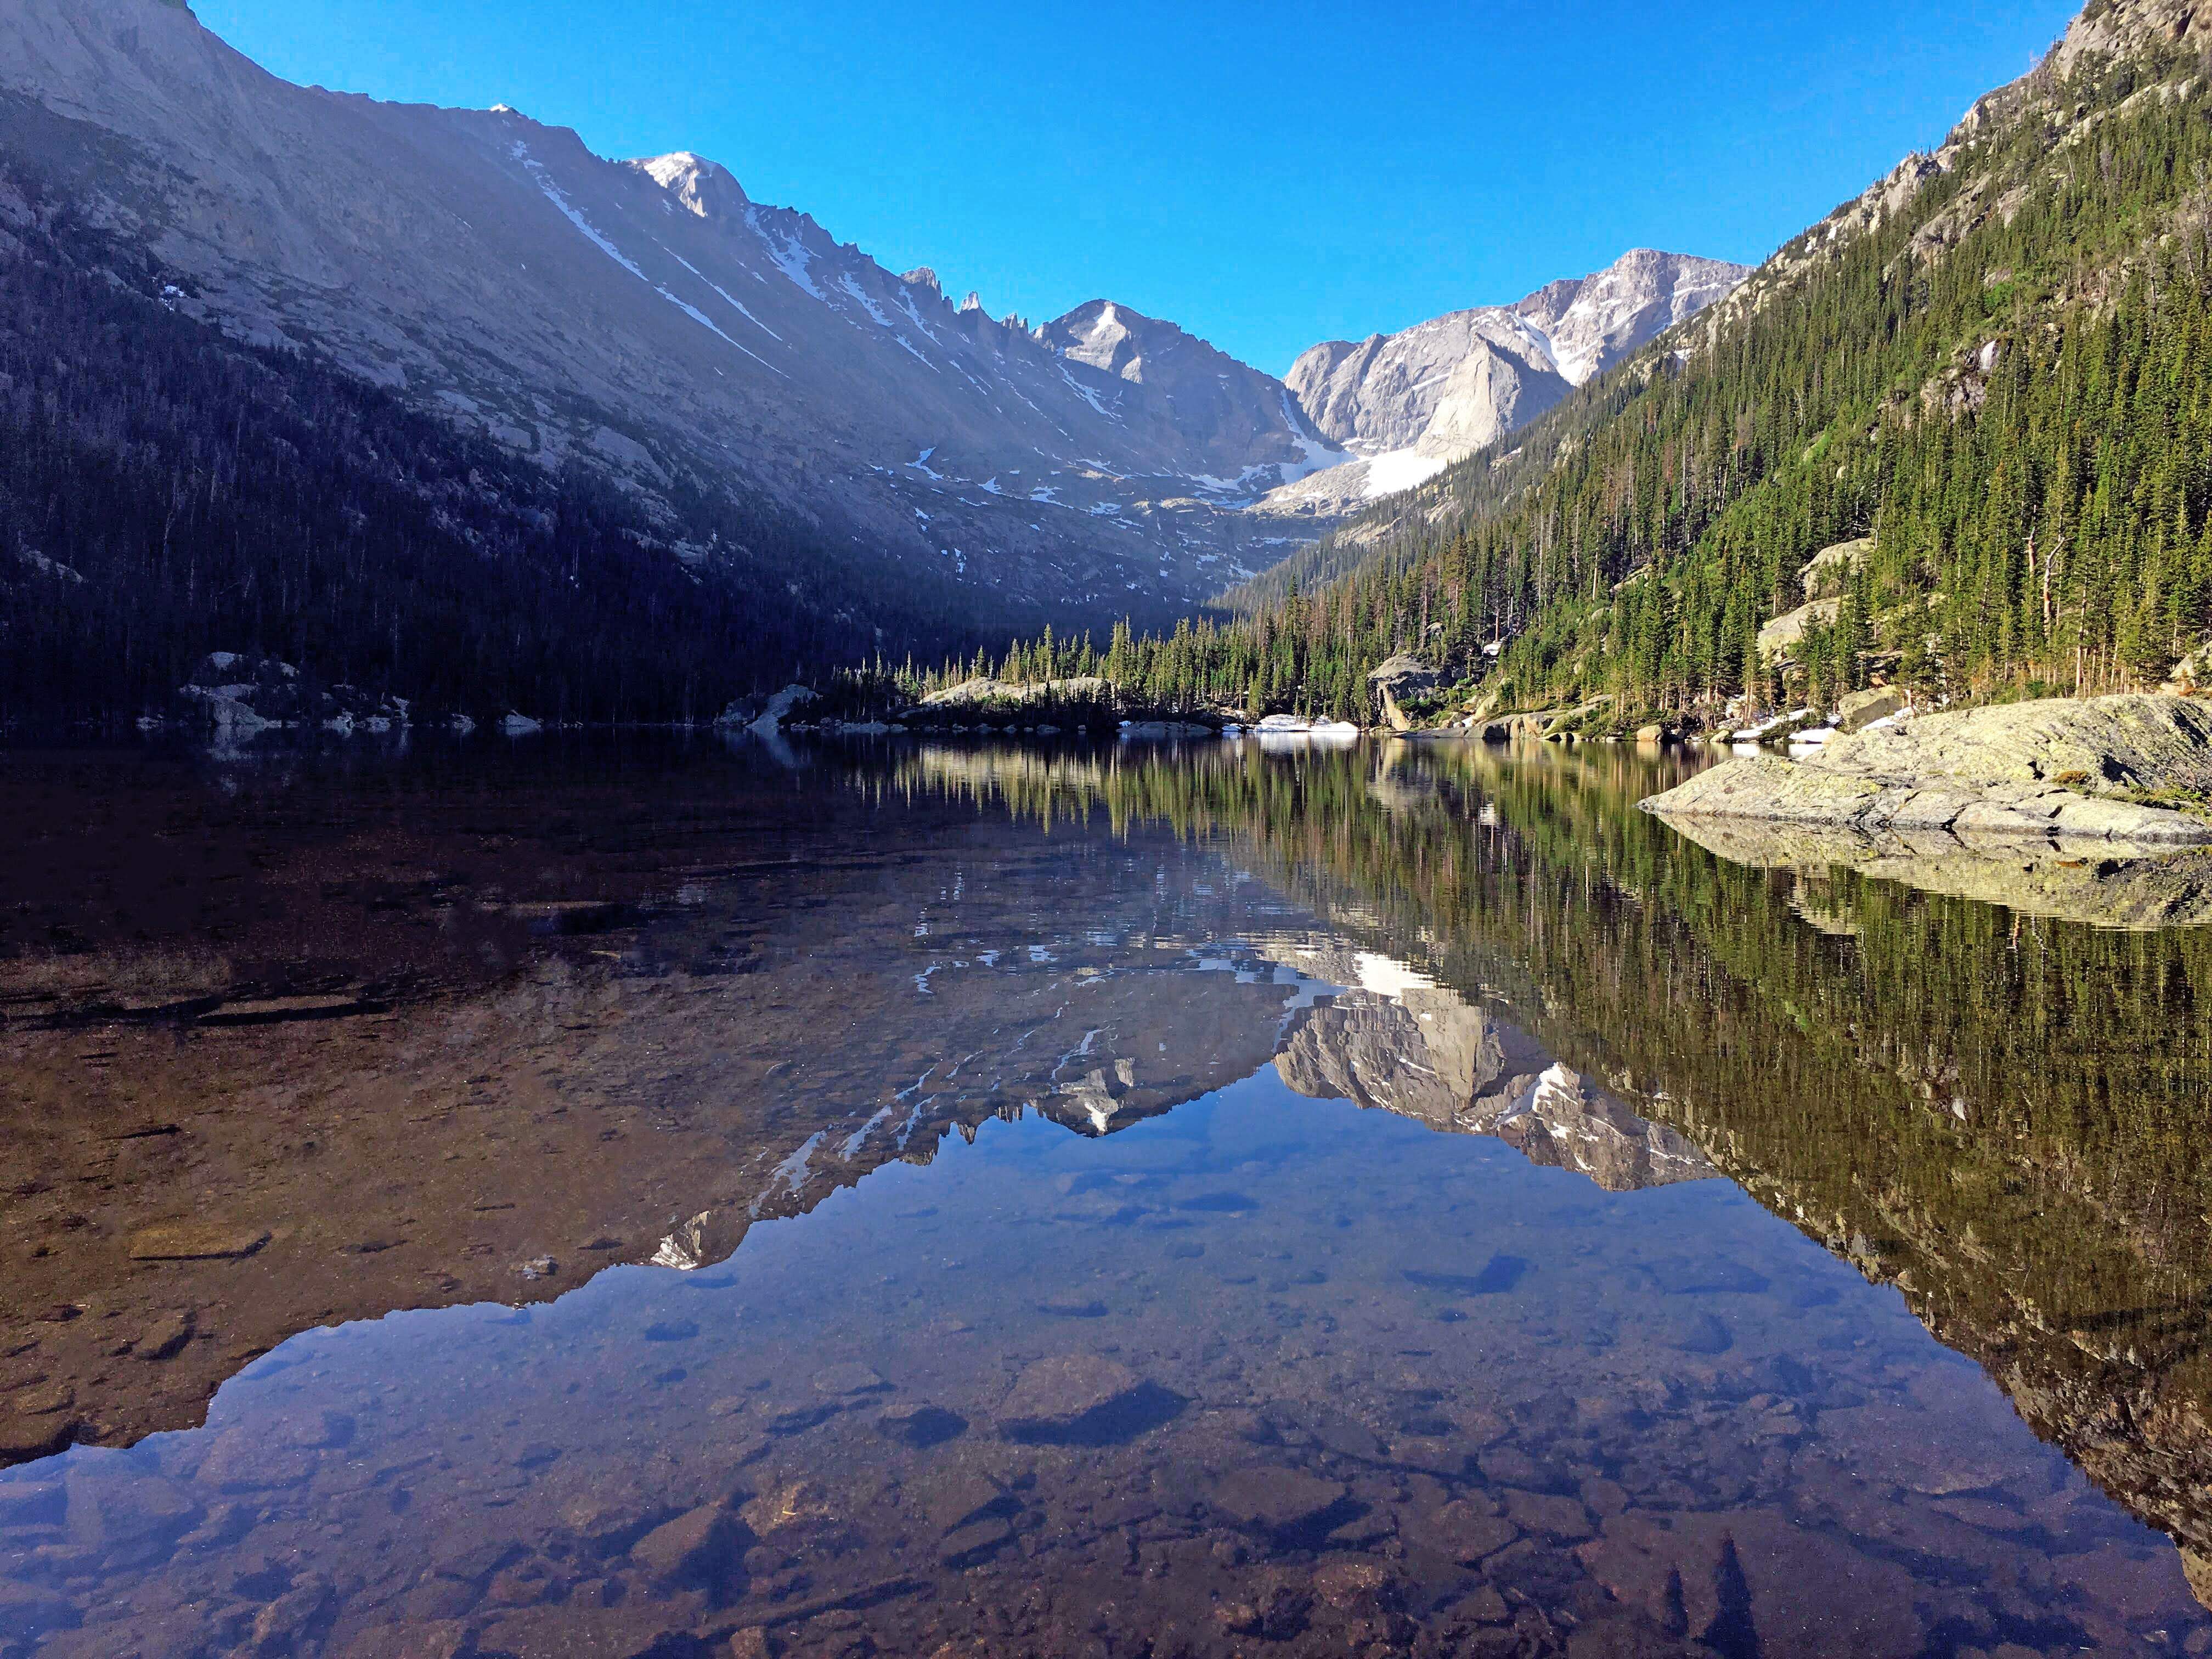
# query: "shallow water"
{"type": "Point", "coordinates": [962, 1201]}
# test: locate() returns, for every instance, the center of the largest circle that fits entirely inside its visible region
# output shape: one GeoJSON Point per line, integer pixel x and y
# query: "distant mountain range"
{"type": "Point", "coordinates": [650, 323]}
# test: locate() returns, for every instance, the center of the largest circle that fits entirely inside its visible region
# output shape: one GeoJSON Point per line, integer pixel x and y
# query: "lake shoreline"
{"type": "Point", "coordinates": [2132, 769]}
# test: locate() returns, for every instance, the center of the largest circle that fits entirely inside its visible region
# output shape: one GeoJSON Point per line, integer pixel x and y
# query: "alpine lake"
{"type": "Point", "coordinates": [659, 1197]}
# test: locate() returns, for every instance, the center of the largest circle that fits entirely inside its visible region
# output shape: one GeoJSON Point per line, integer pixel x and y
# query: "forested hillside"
{"type": "Point", "coordinates": [1997, 365]}
{"type": "Point", "coordinates": [166, 491]}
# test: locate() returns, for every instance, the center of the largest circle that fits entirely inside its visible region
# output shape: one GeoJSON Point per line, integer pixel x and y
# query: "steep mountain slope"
{"type": "Point", "coordinates": [165, 492]}
{"type": "Point", "coordinates": [1406, 405]}
{"type": "Point", "coordinates": [646, 318]}
{"type": "Point", "coordinates": [1963, 419]}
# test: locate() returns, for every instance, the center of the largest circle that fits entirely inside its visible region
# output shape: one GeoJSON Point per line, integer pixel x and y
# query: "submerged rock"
{"type": "Point", "coordinates": [688, 1548]}
{"type": "Point", "coordinates": [197, 1241]}
{"type": "Point", "coordinates": [2057, 767]}
{"type": "Point", "coordinates": [1057, 1396]}
{"type": "Point", "coordinates": [1273, 1498]}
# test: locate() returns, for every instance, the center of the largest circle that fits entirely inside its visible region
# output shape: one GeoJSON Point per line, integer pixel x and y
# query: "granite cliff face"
{"type": "Point", "coordinates": [1406, 405]}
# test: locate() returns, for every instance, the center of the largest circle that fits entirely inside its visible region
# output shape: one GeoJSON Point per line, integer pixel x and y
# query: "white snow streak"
{"type": "Point", "coordinates": [1090, 396]}
{"type": "Point", "coordinates": [554, 194]}
{"type": "Point", "coordinates": [788, 252]}
{"type": "Point", "coordinates": [725, 293]}
{"type": "Point", "coordinates": [867, 305]}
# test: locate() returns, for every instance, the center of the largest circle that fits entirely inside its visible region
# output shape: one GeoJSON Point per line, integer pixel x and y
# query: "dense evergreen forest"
{"type": "Point", "coordinates": [2005, 383]}
{"type": "Point", "coordinates": [166, 491]}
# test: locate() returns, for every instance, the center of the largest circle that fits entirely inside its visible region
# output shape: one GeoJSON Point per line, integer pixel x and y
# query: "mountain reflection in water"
{"type": "Point", "coordinates": [673, 1050]}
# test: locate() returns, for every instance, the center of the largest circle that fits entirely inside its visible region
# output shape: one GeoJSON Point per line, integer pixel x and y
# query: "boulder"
{"type": "Point", "coordinates": [1862, 709]}
{"type": "Point", "coordinates": [1776, 639]}
{"type": "Point", "coordinates": [1401, 676]}
{"type": "Point", "coordinates": [688, 1549]}
{"type": "Point", "coordinates": [2192, 675]}
{"type": "Point", "coordinates": [1055, 1396]}
{"type": "Point", "coordinates": [1274, 1498]}
{"type": "Point", "coordinates": [778, 709]}
{"type": "Point", "coordinates": [1406, 676]}
{"type": "Point", "coordinates": [1827, 572]}
{"type": "Point", "coordinates": [2056, 767]}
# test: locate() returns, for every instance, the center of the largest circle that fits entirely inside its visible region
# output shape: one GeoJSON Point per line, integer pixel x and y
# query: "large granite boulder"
{"type": "Point", "coordinates": [2056, 767]}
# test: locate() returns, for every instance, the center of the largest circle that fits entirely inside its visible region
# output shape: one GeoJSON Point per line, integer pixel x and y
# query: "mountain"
{"type": "Point", "coordinates": [652, 322]}
{"type": "Point", "coordinates": [1214, 401]}
{"type": "Point", "coordinates": [1950, 438]}
{"type": "Point", "coordinates": [1408, 404]}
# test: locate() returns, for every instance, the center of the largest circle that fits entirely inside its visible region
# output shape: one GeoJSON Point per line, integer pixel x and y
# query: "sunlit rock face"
{"type": "Point", "coordinates": [1405, 405]}
{"type": "Point", "coordinates": [1397, 1041]}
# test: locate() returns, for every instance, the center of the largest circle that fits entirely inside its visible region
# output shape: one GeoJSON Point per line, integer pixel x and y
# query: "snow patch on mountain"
{"type": "Point", "coordinates": [787, 252]}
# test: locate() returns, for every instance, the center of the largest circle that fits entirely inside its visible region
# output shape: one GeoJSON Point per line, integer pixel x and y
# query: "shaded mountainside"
{"type": "Point", "coordinates": [166, 490]}
{"type": "Point", "coordinates": [1991, 370]}
{"type": "Point", "coordinates": [648, 318]}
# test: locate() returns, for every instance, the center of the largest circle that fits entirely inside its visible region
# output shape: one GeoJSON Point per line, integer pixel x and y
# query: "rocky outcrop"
{"type": "Point", "coordinates": [2059, 767]}
{"type": "Point", "coordinates": [984, 692]}
{"type": "Point", "coordinates": [1401, 676]}
{"type": "Point", "coordinates": [241, 695]}
{"type": "Point", "coordinates": [1778, 636]}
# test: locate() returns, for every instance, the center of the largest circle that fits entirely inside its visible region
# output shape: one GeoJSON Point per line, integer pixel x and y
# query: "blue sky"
{"type": "Point", "coordinates": [1268, 175]}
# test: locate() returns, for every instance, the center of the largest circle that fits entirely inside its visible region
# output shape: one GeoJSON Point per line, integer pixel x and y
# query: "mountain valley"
{"type": "Point", "coordinates": [789, 421]}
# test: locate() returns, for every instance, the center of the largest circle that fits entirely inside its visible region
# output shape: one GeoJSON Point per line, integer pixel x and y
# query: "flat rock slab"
{"type": "Point", "coordinates": [197, 1241]}
{"type": "Point", "coordinates": [1056, 1394]}
{"type": "Point", "coordinates": [1267, 1495]}
{"type": "Point", "coordinates": [1465, 1532]}
{"type": "Point", "coordinates": [850, 1381]}
{"type": "Point", "coordinates": [2056, 767]}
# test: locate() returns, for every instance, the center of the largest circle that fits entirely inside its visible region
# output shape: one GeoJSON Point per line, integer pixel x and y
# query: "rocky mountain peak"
{"type": "Point", "coordinates": [1110, 337]}
{"type": "Point", "coordinates": [706, 189]}
{"type": "Point", "coordinates": [1406, 405]}
{"type": "Point", "coordinates": [923, 278]}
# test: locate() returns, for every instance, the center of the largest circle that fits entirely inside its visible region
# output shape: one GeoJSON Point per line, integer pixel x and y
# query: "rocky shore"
{"type": "Point", "coordinates": [2134, 769]}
